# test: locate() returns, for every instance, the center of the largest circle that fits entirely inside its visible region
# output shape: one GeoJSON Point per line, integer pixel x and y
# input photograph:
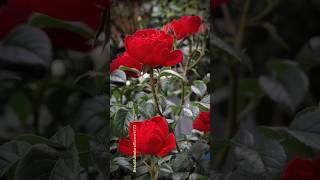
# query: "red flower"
{"type": "Point", "coordinates": [302, 169]}
{"type": "Point", "coordinates": [215, 3]}
{"type": "Point", "coordinates": [184, 27]}
{"type": "Point", "coordinates": [153, 48]}
{"type": "Point", "coordinates": [152, 138]}
{"type": "Point", "coordinates": [88, 12]}
{"type": "Point", "coordinates": [128, 61]}
{"type": "Point", "coordinates": [202, 123]}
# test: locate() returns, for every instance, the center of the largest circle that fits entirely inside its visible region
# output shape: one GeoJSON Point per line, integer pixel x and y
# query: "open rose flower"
{"type": "Point", "coordinates": [302, 169]}
{"type": "Point", "coordinates": [184, 27]}
{"type": "Point", "coordinates": [215, 3]}
{"type": "Point", "coordinates": [152, 138]}
{"type": "Point", "coordinates": [127, 61]}
{"type": "Point", "coordinates": [202, 123]}
{"type": "Point", "coordinates": [153, 47]}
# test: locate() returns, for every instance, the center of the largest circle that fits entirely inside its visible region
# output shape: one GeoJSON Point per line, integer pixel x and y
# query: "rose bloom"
{"type": "Point", "coordinates": [215, 3]}
{"type": "Point", "coordinates": [302, 169]}
{"type": "Point", "coordinates": [153, 48]}
{"type": "Point", "coordinates": [202, 123]}
{"type": "Point", "coordinates": [152, 138]}
{"type": "Point", "coordinates": [88, 12]}
{"type": "Point", "coordinates": [184, 27]}
{"type": "Point", "coordinates": [127, 61]}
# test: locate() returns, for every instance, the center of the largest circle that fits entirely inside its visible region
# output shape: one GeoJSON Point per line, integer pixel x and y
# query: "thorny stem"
{"type": "Point", "coordinates": [154, 92]}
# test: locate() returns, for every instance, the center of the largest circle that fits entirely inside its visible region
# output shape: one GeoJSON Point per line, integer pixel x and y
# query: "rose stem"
{"type": "Point", "coordinates": [232, 125]}
{"type": "Point", "coordinates": [184, 74]}
{"type": "Point", "coordinates": [154, 92]}
{"type": "Point", "coordinates": [153, 170]}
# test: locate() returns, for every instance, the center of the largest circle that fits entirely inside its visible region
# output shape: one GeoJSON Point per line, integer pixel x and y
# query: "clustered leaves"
{"type": "Point", "coordinates": [272, 126]}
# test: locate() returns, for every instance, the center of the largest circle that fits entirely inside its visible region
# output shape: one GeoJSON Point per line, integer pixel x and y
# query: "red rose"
{"type": "Point", "coordinates": [153, 48]}
{"type": "Point", "coordinates": [302, 169]}
{"type": "Point", "coordinates": [184, 27]}
{"type": "Point", "coordinates": [202, 123]}
{"type": "Point", "coordinates": [128, 61]}
{"type": "Point", "coordinates": [152, 138]}
{"type": "Point", "coordinates": [215, 3]}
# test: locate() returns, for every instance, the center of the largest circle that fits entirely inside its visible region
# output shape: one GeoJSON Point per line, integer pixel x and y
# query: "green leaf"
{"type": "Point", "coordinates": [141, 170]}
{"type": "Point", "coordinates": [10, 153]}
{"type": "Point", "coordinates": [37, 163]}
{"type": "Point", "coordinates": [82, 142]}
{"type": "Point", "coordinates": [44, 21]}
{"type": "Point", "coordinates": [305, 128]}
{"type": "Point", "coordinates": [21, 104]}
{"type": "Point", "coordinates": [169, 72]}
{"type": "Point", "coordinates": [65, 136]}
{"type": "Point", "coordinates": [283, 87]}
{"type": "Point", "coordinates": [204, 104]}
{"type": "Point", "coordinates": [264, 158]}
{"type": "Point", "coordinates": [182, 162]}
{"type": "Point", "coordinates": [133, 70]}
{"type": "Point", "coordinates": [34, 139]}
{"type": "Point", "coordinates": [196, 176]}
{"type": "Point", "coordinates": [180, 175]}
{"type": "Point", "coordinates": [271, 29]}
{"type": "Point", "coordinates": [199, 88]}
{"type": "Point", "coordinates": [165, 170]}
{"type": "Point", "coordinates": [236, 54]}
{"type": "Point", "coordinates": [198, 149]}
{"type": "Point", "coordinates": [121, 121]}
{"type": "Point", "coordinates": [164, 159]}
{"type": "Point", "coordinates": [27, 47]}
{"type": "Point", "coordinates": [123, 162]}
{"type": "Point", "coordinates": [118, 76]}
{"type": "Point", "coordinates": [67, 169]}
{"type": "Point", "coordinates": [290, 143]}
{"type": "Point", "coordinates": [51, 163]}
{"type": "Point", "coordinates": [100, 156]}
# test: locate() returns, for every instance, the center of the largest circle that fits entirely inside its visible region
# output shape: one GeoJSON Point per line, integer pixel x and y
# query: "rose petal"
{"type": "Point", "coordinates": [174, 58]}
{"type": "Point", "coordinates": [169, 146]}
{"type": "Point", "coordinates": [125, 147]}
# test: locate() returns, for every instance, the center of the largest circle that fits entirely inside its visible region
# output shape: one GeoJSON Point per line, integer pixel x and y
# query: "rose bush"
{"type": "Point", "coordinates": [157, 92]}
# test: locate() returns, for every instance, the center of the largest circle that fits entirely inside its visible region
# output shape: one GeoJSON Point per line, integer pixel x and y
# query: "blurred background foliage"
{"type": "Point", "coordinates": [266, 56]}
{"type": "Point", "coordinates": [53, 96]}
